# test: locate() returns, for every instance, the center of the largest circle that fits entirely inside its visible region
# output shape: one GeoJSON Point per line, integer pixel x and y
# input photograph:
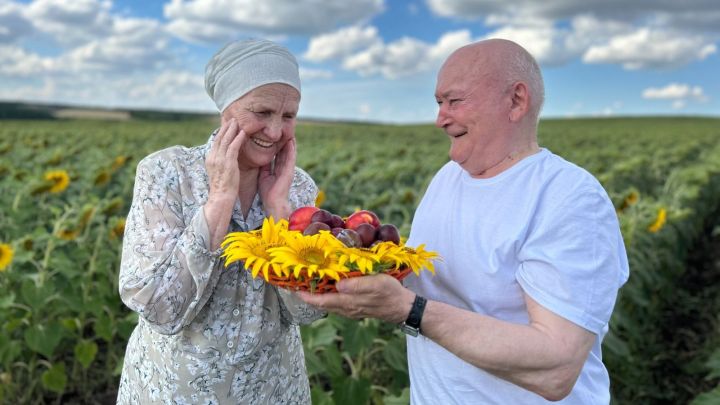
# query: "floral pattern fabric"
{"type": "Point", "coordinates": [206, 334]}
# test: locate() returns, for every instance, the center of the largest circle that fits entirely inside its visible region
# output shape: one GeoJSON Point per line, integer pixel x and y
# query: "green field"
{"type": "Point", "coordinates": [64, 328]}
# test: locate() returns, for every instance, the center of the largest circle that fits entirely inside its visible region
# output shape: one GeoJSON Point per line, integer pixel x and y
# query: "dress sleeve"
{"type": "Point", "coordinates": [302, 193]}
{"type": "Point", "coordinates": [573, 262]}
{"type": "Point", "coordinates": [167, 273]}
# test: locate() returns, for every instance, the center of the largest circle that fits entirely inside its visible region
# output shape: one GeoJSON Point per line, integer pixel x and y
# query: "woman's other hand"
{"type": "Point", "coordinates": [224, 177]}
{"type": "Point", "coordinates": [274, 185]}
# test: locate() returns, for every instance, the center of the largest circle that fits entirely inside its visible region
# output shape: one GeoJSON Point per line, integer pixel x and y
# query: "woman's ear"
{"type": "Point", "coordinates": [520, 102]}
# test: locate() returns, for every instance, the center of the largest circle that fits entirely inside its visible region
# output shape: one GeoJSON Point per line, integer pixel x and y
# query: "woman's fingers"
{"type": "Point", "coordinates": [235, 145]}
{"type": "Point", "coordinates": [228, 136]}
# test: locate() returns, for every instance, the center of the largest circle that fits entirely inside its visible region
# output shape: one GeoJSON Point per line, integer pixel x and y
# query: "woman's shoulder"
{"type": "Point", "coordinates": [178, 156]}
{"type": "Point", "coordinates": [303, 190]}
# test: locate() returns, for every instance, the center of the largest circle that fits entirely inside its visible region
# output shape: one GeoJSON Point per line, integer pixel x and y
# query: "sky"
{"type": "Point", "coordinates": [366, 60]}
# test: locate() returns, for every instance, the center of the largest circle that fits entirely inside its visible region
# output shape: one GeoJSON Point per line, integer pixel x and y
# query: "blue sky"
{"type": "Point", "coordinates": [365, 59]}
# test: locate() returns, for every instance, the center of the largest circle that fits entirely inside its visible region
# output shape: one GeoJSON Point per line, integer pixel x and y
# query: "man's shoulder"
{"type": "Point", "coordinates": [568, 175]}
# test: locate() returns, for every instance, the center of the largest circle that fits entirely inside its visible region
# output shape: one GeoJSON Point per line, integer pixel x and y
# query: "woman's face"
{"type": "Point", "coordinates": [267, 115]}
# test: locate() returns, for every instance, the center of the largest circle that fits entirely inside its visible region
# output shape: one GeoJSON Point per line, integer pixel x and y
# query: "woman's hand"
{"type": "Point", "coordinates": [224, 177]}
{"type": "Point", "coordinates": [274, 185]}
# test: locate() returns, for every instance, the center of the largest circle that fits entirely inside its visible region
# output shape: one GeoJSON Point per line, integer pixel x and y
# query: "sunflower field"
{"type": "Point", "coordinates": [66, 186]}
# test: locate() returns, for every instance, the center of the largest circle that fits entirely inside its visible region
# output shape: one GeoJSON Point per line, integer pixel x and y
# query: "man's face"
{"type": "Point", "coordinates": [267, 114]}
{"type": "Point", "coordinates": [471, 114]}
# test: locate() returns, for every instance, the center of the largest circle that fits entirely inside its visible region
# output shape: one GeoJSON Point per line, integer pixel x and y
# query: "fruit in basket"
{"type": "Point", "coordinates": [337, 222]}
{"type": "Point", "coordinates": [316, 227]}
{"type": "Point", "coordinates": [362, 217]}
{"type": "Point", "coordinates": [301, 218]}
{"type": "Point", "coordinates": [323, 216]}
{"type": "Point", "coordinates": [388, 233]}
{"type": "Point", "coordinates": [349, 238]}
{"type": "Point", "coordinates": [366, 232]}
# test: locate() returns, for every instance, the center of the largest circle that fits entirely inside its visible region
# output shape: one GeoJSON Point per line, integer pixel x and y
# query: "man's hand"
{"type": "Point", "coordinates": [377, 296]}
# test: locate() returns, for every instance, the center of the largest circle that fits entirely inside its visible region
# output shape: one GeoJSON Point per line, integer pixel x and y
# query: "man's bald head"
{"type": "Point", "coordinates": [501, 62]}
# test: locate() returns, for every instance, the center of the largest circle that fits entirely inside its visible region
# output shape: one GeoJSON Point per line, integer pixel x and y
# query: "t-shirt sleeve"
{"type": "Point", "coordinates": [573, 261]}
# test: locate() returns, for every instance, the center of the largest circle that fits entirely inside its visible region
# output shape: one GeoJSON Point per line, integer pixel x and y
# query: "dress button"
{"type": "Point", "coordinates": [236, 312]}
{"type": "Point", "coordinates": [230, 345]}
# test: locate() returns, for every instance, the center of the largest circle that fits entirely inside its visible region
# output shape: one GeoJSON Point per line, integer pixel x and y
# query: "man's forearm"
{"type": "Point", "coordinates": [531, 356]}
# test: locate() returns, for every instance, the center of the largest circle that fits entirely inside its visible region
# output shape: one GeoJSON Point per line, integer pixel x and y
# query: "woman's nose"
{"type": "Point", "coordinates": [273, 129]}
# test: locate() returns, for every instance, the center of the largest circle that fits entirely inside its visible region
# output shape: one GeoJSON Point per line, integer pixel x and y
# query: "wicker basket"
{"type": "Point", "coordinates": [326, 285]}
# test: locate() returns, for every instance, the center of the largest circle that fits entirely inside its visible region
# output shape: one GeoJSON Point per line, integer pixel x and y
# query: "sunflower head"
{"type": "Point", "coordinates": [308, 256]}
{"type": "Point", "coordinates": [252, 247]}
{"type": "Point", "coordinates": [58, 179]}
{"type": "Point", "coordinates": [6, 256]}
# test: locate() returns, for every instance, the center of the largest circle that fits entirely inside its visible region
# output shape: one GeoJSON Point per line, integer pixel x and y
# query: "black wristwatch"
{"type": "Point", "coordinates": [411, 326]}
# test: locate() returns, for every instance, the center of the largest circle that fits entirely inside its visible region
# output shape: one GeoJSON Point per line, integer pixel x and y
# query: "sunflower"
{"type": "Point", "coordinates": [310, 254]}
{"type": "Point", "coordinates": [118, 229]}
{"type": "Point", "coordinates": [418, 258]}
{"type": "Point", "coordinates": [390, 254]}
{"type": "Point", "coordinates": [68, 234]}
{"type": "Point", "coordinates": [118, 163]}
{"type": "Point", "coordinates": [363, 259]}
{"type": "Point", "coordinates": [320, 198]}
{"type": "Point", "coordinates": [253, 247]}
{"type": "Point", "coordinates": [659, 221]}
{"type": "Point", "coordinates": [6, 255]}
{"type": "Point", "coordinates": [102, 178]}
{"type": "Point", "coordinates": [59, 180]}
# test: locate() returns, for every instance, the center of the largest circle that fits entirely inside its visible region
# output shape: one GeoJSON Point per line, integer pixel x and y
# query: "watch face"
{"type": "Point", "coordinates": [409, 330]}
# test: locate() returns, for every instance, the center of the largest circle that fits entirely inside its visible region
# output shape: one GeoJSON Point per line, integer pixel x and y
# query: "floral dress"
{"type": "Point", "coordinates": [206, 334]}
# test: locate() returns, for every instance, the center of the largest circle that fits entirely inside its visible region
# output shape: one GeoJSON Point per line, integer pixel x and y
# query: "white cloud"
{"type": "Point", "coordinates": [341, 43]}
{"type": "Point", "coordinates": [405, 56]}
{"type": "Point", "coordinates": [675, 91]}
{"type": "Point", "coordinates": [71, 22]}
{"type": "Point", "coordinates": [172, 86]}
{"type": "Point", "coordinates": [687, 13]}
{"type": "Point", "coordinates": [398, 58]}
{"type": "Point", "coordinates": [134, 44]}
{"type": "Point", "coordinates": [312, 74]}
{"type": "Point", "coordinates": [651, 48]}
{"type": "Point", "coordinates": [679, 104]}
{"type": "Point", "coordinates": [221, 20]}
{"type": "Point", "coordinates": [13, 22]}
{"type": "Point", "coordinates": [16, 61]}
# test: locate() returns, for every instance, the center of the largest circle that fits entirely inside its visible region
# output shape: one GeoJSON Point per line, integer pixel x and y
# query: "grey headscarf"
{"type": "Point", "coordinates": [242, 66]}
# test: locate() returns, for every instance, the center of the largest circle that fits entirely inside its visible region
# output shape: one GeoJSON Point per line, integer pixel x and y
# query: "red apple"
{"type": "Point", "coordinates": [362, 217]}
{"type": "Point", "coordinates": [300, 218]}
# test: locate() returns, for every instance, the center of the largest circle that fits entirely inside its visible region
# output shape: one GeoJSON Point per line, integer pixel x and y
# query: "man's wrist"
{"type": "Point", "coordinates": [411, 325]}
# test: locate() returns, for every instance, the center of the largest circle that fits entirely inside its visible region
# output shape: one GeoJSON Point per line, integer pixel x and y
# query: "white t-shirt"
{"type": "Point", "coordinates": [544, 227]}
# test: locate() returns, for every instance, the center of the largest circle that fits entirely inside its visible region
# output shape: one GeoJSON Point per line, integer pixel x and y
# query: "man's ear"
{"type": "Point", "coordinates": [520, 101]}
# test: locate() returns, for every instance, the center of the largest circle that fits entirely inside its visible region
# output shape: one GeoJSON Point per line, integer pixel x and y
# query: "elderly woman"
{"type": "Point", "coordinates": [210, 334]}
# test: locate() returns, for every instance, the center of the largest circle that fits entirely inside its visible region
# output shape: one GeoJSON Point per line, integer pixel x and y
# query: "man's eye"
{"type": "Point", "coordinates": [453, 101]}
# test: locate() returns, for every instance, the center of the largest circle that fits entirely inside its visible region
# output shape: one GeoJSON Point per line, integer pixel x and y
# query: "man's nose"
{"type": "Point", "coordinates": [442, 118]}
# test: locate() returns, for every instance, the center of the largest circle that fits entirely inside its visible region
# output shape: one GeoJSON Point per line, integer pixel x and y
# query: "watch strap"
{"type": "Point", "coordinates": [411, 325]}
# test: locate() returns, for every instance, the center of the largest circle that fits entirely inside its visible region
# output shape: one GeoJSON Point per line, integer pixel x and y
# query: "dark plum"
{"type": "Point", "coordinates": [366, 232]}
{"type": "Point", "coordinates": [316, 227]}
{"type": "Point", "coordinates": [388, 233]}
{"type": "Point", "coordinates": [323, 216]}
{"type": "Point", "coordinates": [350, 238]}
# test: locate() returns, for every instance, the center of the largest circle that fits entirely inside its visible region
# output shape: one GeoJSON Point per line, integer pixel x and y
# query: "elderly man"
{"type": "Point", "coordinates": [533, 255]}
